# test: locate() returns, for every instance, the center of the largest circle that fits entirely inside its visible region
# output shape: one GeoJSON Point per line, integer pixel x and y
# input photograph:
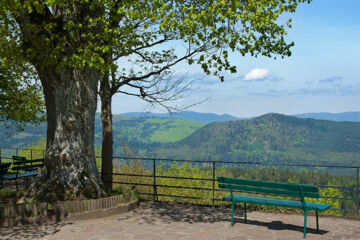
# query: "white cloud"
{"type": "Point", "coordinates": [256, 74]}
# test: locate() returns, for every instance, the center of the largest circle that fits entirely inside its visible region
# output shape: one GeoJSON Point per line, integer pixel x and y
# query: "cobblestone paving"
{"type": "Point", "coordinates": [157, 221]}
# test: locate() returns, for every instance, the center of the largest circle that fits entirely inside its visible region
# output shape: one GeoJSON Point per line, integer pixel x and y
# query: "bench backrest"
{"type": "Point", "coordinates": [19, 159]}
{"type": "Point", "coordinates": [22, 164]}
{"type": "Point", "coordinates": [263, 187]}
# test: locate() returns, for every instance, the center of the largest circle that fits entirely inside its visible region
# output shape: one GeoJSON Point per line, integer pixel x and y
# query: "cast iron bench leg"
{"type": "Point", "coordinates": [317, 221]}
{"type": "Point", "coordinates": [305, 215]}
{"type": "Point", "coordinates": [245, 213]}
{"type": "Point", "coordinates": [232, 213]}
{"type": "Point", "coordinates": [17, 189]}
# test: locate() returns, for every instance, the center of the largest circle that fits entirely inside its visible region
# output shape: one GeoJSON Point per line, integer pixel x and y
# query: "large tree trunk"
{"type": "Point", "coordinates": [107, 140]}
{"type": "Point", "coordinates": [70, 170]}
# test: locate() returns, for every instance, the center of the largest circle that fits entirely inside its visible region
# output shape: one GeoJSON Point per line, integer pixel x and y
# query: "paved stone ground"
{"type": "Point", "coordinates": [172, 221]}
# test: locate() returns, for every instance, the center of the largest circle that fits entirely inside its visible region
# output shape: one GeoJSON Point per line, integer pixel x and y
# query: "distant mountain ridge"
{"type": "Point", "coordinates": [189, 115]}
{"type": "Point", "coordinates": [211, 117]}
{"type": "Point", "coordinates": [271, 137]}
{"type": "Point", "coordinates": [338, 117]}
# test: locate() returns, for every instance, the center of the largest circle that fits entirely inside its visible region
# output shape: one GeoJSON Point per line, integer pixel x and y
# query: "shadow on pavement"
{"type": "Point", "coordinates": [179, 212]}
{"type": "Point", "coordinates": [30, 231]}
{"type": "Point", "coordinates": [182, 212]}
{"type": "Point", "coordinates": [279, 225]}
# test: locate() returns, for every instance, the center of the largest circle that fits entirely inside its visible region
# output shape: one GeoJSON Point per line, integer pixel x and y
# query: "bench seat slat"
{"type": "Point", "coordinates": [9, 176]}
{"type": "Point", "coordinates": [277, 202]}
{"type": "Point", "coordinates": [20, 175]}
{"type": "Point", "coordinates": [27, 174]}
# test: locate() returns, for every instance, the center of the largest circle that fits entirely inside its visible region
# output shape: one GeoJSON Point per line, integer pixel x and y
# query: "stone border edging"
{"type": "Point", "coordinates": [83, 209]}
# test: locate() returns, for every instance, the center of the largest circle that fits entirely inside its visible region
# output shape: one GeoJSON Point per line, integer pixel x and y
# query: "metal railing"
{"type": "Point", "coordinates": [214, 165]}
{"type": "Point", "coordinates": [6, 154]}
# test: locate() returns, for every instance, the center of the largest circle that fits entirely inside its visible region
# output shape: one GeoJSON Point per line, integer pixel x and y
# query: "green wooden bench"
{"type": "Point", "coordinates": [23, 168]}
{"type": "Point", "coordinates": [299, 191]}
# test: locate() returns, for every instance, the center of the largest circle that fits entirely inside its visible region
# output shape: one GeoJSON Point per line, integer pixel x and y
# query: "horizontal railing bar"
{"type": "Point", "coordinates": [207, 161]}
{"type": "Point", "coordinates": [185, 178]}
{"type": "Point", "coordinates": [222, 190]}
{"type": "Point", "coordinates": [166, 195]}
{"type": "Point", "coordinates": [234, 162]}
{"type": "Point", "coordinates": [347, 199]}
{"type": "Point", "coordinates": [339, 187]}
{"type": "Point", "coordinates": [220, 200]}
{"type": "Point", "coordinates": [140, 175]}
{"type": "Point", "coordinates": [184, 187]}
{"type": "Point", "coordinates": [343, 210]}
{"type": "Point", "coordinates": [167, 186]}
{"type": "Point", "coordinates": [132, 175]}
{"type": "Point", "coordinates": [21, 149]}
{"type": "Point", "coordinates": [210, 189]}
{"type": "Point", "coordinates": [222, 162]}
{"type": "Point", "coordinates": [139, 184]}
{"type": "Point", "coordinates": [208, 179]}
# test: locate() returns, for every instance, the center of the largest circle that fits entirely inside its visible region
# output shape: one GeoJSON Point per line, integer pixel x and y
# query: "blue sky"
{"type": "Point", "coordinates": [322, 75]}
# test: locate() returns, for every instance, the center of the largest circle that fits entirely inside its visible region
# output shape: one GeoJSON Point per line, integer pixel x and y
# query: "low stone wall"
{"type": "Point", "coordinates": [44, 212]}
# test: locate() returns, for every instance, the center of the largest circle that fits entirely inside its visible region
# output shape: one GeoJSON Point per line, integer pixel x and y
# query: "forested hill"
{"type": "Point", "coordinates": [272, 138]}
{"type": "Point", "coordinates": [268, 138]}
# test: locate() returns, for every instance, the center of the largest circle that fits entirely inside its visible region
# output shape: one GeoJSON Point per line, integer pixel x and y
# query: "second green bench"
{"type": "Point", "coordinates": [23, 168]}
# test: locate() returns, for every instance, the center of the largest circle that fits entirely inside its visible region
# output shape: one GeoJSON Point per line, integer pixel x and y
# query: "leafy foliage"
{"type": "Point", "coordinates": [21, 99]}
{"type": "Point", "coordinates": [123, 28]}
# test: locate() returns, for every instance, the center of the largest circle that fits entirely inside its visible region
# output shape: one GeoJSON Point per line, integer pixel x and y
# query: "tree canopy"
{"type": "Point", "coordinates": [207, 30]}
{"type": "Point", "coordinates": [75, 44]}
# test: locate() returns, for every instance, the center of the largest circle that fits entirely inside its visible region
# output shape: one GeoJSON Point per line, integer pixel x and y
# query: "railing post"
{"type": "Point", "coordinates": [31, 154]}
{"type": "Point", "coordinates": [213, 187]}
{"type": "Point", "coordinates": [357, 191]}
{"type": "Point", "coordinates": [154, 180]}
{"type": "Point", "coordinates": [0, 155]}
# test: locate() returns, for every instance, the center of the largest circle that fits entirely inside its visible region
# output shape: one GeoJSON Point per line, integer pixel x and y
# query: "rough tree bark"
{"type": "Point", "coordinates": [70, 170]}
{"type": "Point", "coordinates": [54, 40]}
{"type": "Point", "coordinates": [107, 141]}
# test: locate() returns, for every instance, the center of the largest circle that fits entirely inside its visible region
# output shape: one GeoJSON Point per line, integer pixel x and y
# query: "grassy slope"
{"type": "Point", "coordinates": [143, 133]}
{"type": "Point", "coordinates": [135, 131]}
